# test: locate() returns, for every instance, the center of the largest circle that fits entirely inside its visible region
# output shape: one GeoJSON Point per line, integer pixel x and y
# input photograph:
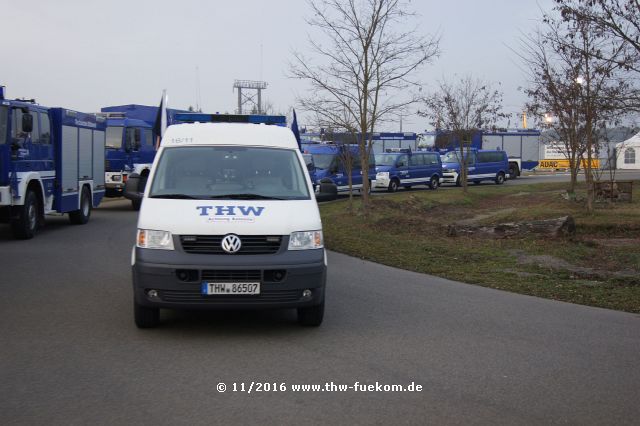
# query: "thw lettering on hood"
{"type": "Point", "coordinates": [230, 210]}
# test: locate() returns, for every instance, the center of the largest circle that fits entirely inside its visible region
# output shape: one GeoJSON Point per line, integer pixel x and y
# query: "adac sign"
{"type": "Point", "coordinates": [564, 164]}
{"type": "Point", "coordinates": [230, 213]}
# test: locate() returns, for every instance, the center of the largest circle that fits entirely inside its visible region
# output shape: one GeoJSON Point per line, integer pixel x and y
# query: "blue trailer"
{"type": "Point", "coordinates": [51, 161]}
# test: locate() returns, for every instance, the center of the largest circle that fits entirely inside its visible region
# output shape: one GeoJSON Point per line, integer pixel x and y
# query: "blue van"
{"type": "Point", "coordinates": [329, 162]}
{"type": "Point", "coordinates": [481, 165]}
{"type": "Point", "coordinates": [401, 167]}
{"type": "Point", "coordinates": [311, 168]}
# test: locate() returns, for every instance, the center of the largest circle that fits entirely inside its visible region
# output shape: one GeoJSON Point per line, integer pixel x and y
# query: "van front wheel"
{"type": "Point", "coordinates": [434, 182]}
{"type": "Point", "coordinates": [146, 317]}
{"type": "Point", "coordinates": [393, 185]}
{"type": "Point", "coordinates": [311, 316]}
{"type": "Point", "coordinates": [500, 178]}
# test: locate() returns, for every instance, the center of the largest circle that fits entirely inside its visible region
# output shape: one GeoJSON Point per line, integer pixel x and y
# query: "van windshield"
{"type": "Point", "coordinates": [207, 172]}
{"type": "Point", "coordinates": [3, 124]}
{"type": "Point", "coordinates": [386, 160]}
{"type": "Point", "coordinates": [114, 137]}
{"type": "Point", "coordinates": [454, 157]}
{"type": "Point", "coordinates": [323, 161]}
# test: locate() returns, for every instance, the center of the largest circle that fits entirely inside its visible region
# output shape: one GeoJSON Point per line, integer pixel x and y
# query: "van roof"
{"type": "Point", "coordinates": [229, 134]}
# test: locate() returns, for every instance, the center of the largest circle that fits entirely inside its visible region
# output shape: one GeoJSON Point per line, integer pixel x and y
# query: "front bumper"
{"type": "Point", "coordinates": [158, 270]}
{"type": "Point", "coordinates": [449, 177]}
{"type": "Point", "coordinates": [114, 183]}
{"type": "Point", "coordinates": [381, 182]}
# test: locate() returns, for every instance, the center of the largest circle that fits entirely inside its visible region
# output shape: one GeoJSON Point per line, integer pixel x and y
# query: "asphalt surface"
{"type": "Point", "coordinates": [70, 353]}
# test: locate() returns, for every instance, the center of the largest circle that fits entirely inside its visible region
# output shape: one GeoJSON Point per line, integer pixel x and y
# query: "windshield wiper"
{"type": "Point", "coordinates": [244, 196]}
{"type": "Point", "coordinates": [175, 196]}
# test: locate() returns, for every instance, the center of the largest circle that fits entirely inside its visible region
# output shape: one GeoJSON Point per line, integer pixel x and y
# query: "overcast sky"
{"type": "Point", "coordinates": [85, 54]}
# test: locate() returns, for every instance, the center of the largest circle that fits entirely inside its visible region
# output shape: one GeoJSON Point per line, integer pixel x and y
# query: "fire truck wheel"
{"type": "Point", "coordinates": [81, 216]}
{"type": "Point", "coordinates": [25, 224]}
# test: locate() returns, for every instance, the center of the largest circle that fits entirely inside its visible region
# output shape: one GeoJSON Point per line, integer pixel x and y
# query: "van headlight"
{"type": "Point", "coordinates": [150, 239]}
{"type": "Point", "coordinates": [382, 175]}
{"type": "Point", "coordinates": [306, 240]}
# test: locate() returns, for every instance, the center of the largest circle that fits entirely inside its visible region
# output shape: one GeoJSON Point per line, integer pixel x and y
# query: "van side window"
{"type": "Point", "coordinates": [4, 117]}
{"type": "Point", "coordinates": [430, 159]}
{"type": "Point", "coordinates": [35, 132]}
{"type": "Point", "coordinates": [16, 126]}
{"type": "Point", "coordinates": [355, 162]}
{"type": "Point", "coordinates": [146, 138]}
{"type": "Point", "coordinates": [130, 139]}
{"type": "Point", "coordinates": [403, 161]}
{"type": "Point", "coordinates": [416, 160]}
{"type": "Point", "coordinates": [45, 129]}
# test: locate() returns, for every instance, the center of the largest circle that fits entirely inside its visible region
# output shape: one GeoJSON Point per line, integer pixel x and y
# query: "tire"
{"type": "Point", "coordinates": [513, 171]}
{"type": "Point", "coordinates": [361, 190]}
{"type": "Point", "coordinates": [145, 317]}
{"type": "Point", "coordinates": [500, 178]}
{"type": "Point", "coordinates": [393, 185]}
{"type": "Point", "coordinates": [142, 184]}
{"type": "Point", "coordinates": [458, 181]}
{"type": "Point", "coordinates": [25, 225]}
{"type": "Point", "coordinates": [311, 316]}
{"type": "Point", "coordinates": [80, 217]}
{"type": "Point", "coordinates": [434, 183]}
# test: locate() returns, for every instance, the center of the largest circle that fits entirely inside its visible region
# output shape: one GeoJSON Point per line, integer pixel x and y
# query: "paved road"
{"type": "Point", "coordinates": [70, 353]}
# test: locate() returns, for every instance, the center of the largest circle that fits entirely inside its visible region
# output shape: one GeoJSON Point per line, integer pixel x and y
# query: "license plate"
{"type": "Point", "coordinates": [230, 288]}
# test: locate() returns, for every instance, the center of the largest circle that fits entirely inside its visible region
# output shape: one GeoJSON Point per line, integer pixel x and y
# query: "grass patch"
{"type": "Point", "coordinates": [600, 266]}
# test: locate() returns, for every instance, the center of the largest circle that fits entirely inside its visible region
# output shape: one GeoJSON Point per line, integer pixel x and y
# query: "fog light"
{"type": "Point", "coordinates": [152, 293]}
{"type": "Point", "coordinates": [306, 294]}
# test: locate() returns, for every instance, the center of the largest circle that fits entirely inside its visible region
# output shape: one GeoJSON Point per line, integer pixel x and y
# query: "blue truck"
{"type": "Point", "coordinates": [130, 148]}
{"type": "Point", "coordinates": [131, 144]}
{"type": "Point", "coordinates": [51, 161]}
{"type": "Point", "coordinates": [330, 162]}
{"type": "Point", "coordinates": [401, 167]}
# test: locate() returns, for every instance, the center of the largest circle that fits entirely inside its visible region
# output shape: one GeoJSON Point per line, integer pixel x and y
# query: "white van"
{"type": "Point", "coordinates": [229, 220]}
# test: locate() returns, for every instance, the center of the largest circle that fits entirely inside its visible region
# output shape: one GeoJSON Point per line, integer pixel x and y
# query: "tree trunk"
{"type": "Point", "coordinates": [553, 228]}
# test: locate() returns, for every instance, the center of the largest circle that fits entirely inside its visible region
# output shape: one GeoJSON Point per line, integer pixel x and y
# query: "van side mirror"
{"type": "Point", "coordinates": [131, 188]}
{"type": "Point", "coordinates": [328, 190]}
{"type": "Point", "coordinates": [27, 123]}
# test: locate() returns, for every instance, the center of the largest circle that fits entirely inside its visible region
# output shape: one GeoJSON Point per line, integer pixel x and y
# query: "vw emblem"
{"type": "Point", "coordinates": [231, 243]}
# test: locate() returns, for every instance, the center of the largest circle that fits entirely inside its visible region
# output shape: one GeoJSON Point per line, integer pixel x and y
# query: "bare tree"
{"type": "Point", "coordinates": [616, 19]}
{"type": "Point", "coordinates": [368, 55]}
{"type": "Point", "coordinates": [464, 107]}
{"type": "Point", "coordinates": [575, 76]}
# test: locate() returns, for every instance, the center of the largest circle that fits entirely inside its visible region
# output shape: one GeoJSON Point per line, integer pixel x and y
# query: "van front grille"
{"type": "Point", "coordinates": [211, 244]}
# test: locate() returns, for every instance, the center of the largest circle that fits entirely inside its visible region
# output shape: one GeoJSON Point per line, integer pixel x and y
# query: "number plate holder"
{"type": "Point", "coordinates": [233, 289]}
